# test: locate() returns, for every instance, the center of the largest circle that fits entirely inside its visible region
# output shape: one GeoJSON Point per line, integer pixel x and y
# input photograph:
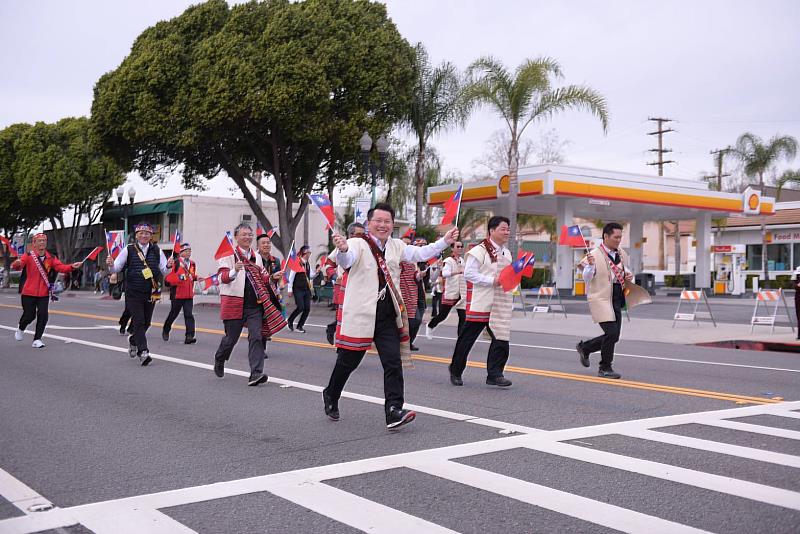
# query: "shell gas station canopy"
{"type": "Point", "coordinates": [568, 192]}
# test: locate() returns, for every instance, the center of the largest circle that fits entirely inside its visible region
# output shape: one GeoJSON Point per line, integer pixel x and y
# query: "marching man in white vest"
{"type": "Point", "coordinates": [488, 306]}
{"type": "Point", "coordinates": [605, 273]}
{"type": "Point", "coordinates": [373, 310]}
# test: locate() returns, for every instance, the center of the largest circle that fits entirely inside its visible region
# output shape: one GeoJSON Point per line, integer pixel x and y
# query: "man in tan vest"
{"type": "Point", "coordinates": [605, 273]}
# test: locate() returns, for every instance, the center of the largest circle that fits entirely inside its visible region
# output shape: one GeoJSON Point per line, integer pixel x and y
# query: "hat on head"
{"type": "Point", "coordinates": [143, 227]}
{"type": "Point", "coordinates": [40, 234]}
{"type": "Point", "coordinates": [186, 246]}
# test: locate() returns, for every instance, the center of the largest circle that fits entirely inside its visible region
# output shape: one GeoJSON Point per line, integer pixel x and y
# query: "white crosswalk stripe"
{"type": "Point", "coordinates": [308, 488]}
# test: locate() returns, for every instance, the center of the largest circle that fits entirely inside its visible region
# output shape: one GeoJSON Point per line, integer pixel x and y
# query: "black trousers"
{"type": "Point", "coordinates": [436, 301]}
{"type": "Point", "coordinates": [444, 311]}
{"type": "Point", "coordinates": [124, 319]}
{"type": "Point", "coordinates": [302, 301]}
{"type": "Point", "coordinates": [175, 308]}
{"type": "Point", "coordinates": [252, 318]}
{"type": "Point", "coordinates": [415, 323]}
{"type": "Point", "coordinates": [496, 358]}
{"type": "Point", "coordinates": [140, 308]}
{"type": "Point", "coordinates": [611, 330]}
{"type": "Point", "coordinates": [387, 343]}
{"type": "Point", "coordinates": [34, 308]}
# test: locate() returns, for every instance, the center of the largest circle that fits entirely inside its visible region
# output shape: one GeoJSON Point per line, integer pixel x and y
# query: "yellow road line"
{"type": "Point", "coordinates": [731, 397]}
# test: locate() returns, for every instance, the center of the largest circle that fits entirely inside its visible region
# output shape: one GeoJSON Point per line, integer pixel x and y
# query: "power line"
{"type": "Point", "coordinates": [660, 150]}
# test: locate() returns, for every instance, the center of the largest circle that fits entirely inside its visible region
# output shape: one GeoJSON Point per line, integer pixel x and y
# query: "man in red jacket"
{"type": "Point", "coordinates": [181, 278]}
{"type": "Point", "coordinates": [37, 291]}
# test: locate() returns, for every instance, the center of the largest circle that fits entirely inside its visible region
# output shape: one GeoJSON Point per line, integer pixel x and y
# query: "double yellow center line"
{"type": "Point", "coordinates": [731, 397]}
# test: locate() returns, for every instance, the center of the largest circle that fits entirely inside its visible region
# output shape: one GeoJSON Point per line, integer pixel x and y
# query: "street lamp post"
{"type": "Point", "coordinates": [125, 208]}
{"type": "Point", "coordinates": [382, 146]}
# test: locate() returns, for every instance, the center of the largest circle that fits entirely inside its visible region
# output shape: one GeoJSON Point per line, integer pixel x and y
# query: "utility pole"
{"type": "Point", "coordinates": [660, 150]}
{"type": "Point", "coordinates": [720, 154]}
{"type": "Point", "coordinates": [662, 261]}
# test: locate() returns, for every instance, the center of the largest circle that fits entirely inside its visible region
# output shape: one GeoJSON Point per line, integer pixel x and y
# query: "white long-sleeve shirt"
{"type": "Point", "coordinates": [590, 270]}
{"type": "Point", "coordinates": [472, 268]}
{"type": "Point", "coordinates": [411, 254]}
{"type": "Point", "coordinates": [311, 273]}
{"type": "Point", "coordinates": [122, 259]}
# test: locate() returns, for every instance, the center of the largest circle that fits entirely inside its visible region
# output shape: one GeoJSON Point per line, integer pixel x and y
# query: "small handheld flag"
{"type": "Point", "coordinates": [114, 243]}
{"type": "Point", "coordinates": [527, 272]}
{"type": "Point", "coordinates": [292, 262]}
{"type": "Point", "coordinates": [452, 207]}
{"type": "Point", "coordinates": [323, 204]}
{"type": "Point", "coordinates": [225, 248]}
{"type": "Point", "coordinates": [411, 233]}
{"type": "Point", "coordinates": [272, 231]}
{"type": "Point", "coordinates": [433, 260]}
{"type": "Point", "coordinates": [571, 236]}
{"type": "Point", "coordinates": [511, 276]}
{"type": "Point", "coordinates": [176, 243]}
{"type": "Point", "coordinates": [212, 280]}
{"type": "Point", "coordinates": [93, 254]}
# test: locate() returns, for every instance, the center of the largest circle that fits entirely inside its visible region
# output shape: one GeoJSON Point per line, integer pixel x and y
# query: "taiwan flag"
{"type": "Point", "coordinates": [272, 231]}
{"type": "Point", "coordinates": [225, 248]}
{"type": "Point", "coordinates": [114, 243]}
{"type": "Point", "coordinates": [511, 276]}
{"type": "Point", "coordinates": [571, 236]}
{"type": "Point", "coordinates": [452, 206]}
{"type": "Point", "coordinates": [176, 243]}
{"type": "Point", "coordinates": [93, 254]}
{"type": "Point", "coordinates": [323, 203]}
{"type": "Point", "coordinates": [292, 262]}
{"type": "Point", "coordinates": [527, 272]}
{"type": "Point", "coordinates": [209, 281]}
{"type": "Point", "coordinates": [410, 233]}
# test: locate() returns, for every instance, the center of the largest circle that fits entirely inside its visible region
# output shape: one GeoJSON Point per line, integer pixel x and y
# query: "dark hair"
{"type": "Point", "coordinates": [495, 221]}
{"type": "Point", "coordinates": [383, 206]}
{"type": "Point", "coordinates": [351, 228]}
{"type": "Point", "coordinates": [262, 235]}
{"type": "Point", "coordinates": [304, 249]}
{"type": "Point", "coordinates": [609, 228]}
{"type": "Point", "coordinates": [242, 226]}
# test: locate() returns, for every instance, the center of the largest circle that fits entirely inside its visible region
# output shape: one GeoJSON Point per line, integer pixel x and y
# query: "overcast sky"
{"type": "Point", "coordinates": [719, 68]}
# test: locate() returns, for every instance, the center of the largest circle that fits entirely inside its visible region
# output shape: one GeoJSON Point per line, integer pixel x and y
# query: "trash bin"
{"type": "Point", "coordinates": [647, 281]}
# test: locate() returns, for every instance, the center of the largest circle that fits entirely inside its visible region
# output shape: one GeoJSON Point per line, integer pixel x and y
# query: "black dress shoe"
{"type": "Point", "coordinates": [331, 406]}
{"type": "Point", "coordinates": [165, 335]}
{"type": "Point", "coordinates": [219, 367]}
{"type": "Point", "coordinates": [291, 326]}
{"type": "Point", "coordinates": [256, 379]}
{"type": "Point", "coordinates": [190, 340]}
{"type": "Point", "coordinates": [456, 380]}
{"type": "Point", "coordinates": [608, 373]}
{"type": "Point", "coordinates": [397, 417]}
{"type": "Point", "coordinates": [301, 329]}
{"type": "Point", "coordinates": [584, 356]}
{"type": "Point", "coordinates": [414, 348]}
{"type": "Point", "coordinates": [499, 381]}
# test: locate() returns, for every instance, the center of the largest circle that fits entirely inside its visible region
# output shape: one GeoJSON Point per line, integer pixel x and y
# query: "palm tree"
{"type": "Point", "coordinates": [758, 158]}
{"type": "Point", "coordinates": [524, 97]}
{"type": "Point", "coordinates": [437, 105]}
{"type": "Point", "coordinates": [788, 177]}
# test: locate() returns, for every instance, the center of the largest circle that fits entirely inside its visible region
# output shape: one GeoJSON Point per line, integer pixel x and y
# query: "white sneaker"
{"type": "Point", "coordinates": [37, 344]}
{"type": "Point", "coordinates": [428, 332]}
{"type": "Point", "coordinates": [18, 335]}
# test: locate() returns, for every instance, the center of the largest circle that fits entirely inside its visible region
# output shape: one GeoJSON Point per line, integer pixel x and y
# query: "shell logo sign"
{"type": "Point", "coordinates": [503, 183]}
{"type": "Point", "coordinates": [752, 201]}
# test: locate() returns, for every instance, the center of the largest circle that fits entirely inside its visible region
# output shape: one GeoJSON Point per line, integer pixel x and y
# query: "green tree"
{"type": "Point", "coordinates": [790, 177]}
{"type": "Point", "coordinates": [758, 157]}
{"type": "Point", "coordinates": [438, 104]}
{"type": "Point", "coordinates": [59, 168]}
{"type": "Point", "coordinates": [275, 86]}
{"type": "Point", "coordinates": [522, 98]}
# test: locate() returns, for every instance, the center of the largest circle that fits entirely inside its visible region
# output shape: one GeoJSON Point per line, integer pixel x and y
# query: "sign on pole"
{"type": "Point", "coordinates": [361, 207]}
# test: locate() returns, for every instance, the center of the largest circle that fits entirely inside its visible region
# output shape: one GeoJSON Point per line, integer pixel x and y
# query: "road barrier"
{"type": "Point", "coordinates": [697, 297]}
{"type": "Point", "coordinates": [767, 296]}
{"type": "Point", "coordinates": [547, 306]}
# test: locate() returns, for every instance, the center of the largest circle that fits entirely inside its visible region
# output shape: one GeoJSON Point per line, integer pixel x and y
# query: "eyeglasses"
{"type": "Point", "coordinates": [382, 221]}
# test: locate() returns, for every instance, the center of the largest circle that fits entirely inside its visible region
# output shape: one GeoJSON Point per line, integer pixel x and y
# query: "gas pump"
{"type": "Point", "coordinates": [729, 262]}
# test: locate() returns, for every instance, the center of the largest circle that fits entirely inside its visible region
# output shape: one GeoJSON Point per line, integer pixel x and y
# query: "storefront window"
{"type": "Point", "coordinates": [753, 253]}
{"type": "Point", "coordinates": [796, 254]}
{"type": "Point", "coordinates": [778, 257]}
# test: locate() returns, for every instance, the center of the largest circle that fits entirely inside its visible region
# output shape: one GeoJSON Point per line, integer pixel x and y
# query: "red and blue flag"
{"type": "Point", "coordinates": [511, 276]}
{"type": "Point", "coordinates": [452, 207]}
{"type": "Point", "coordinates": [323, 204]}
{"type": "Point", "coordinates": [212, 280]}
{"type": "Point", "coordinates": [571, 236]}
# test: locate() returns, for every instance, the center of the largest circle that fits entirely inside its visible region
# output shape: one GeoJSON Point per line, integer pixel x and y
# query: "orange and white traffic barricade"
{"type": "Point", "coordinates": [544, 301]}
{"type": "Point", "coordinates": [770, 298]}
{"type": "Point", "coordinates": [697, 296]}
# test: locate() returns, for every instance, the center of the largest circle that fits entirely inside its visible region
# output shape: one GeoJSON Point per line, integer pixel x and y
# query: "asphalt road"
{"type": "Point", "coordinates": [691, 438]}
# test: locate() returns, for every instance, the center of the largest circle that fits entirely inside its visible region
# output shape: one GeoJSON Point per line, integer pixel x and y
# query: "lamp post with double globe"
{"type": "Point", "coordinates": [382, 146]}
{"type": "Point", "coordinates": [125, 207]}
